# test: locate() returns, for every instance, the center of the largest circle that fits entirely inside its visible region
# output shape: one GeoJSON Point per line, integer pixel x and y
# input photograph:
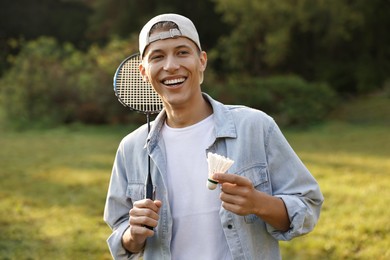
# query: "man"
{"type": "Point", "coordinates": [268, 195]}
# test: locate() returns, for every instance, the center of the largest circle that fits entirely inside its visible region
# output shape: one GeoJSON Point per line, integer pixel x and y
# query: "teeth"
{"type": "Point", "coordinates": [174, 81]}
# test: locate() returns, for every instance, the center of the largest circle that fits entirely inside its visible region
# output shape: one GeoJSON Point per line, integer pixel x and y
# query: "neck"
{"type": "Point", "coordinates": [179, 117]}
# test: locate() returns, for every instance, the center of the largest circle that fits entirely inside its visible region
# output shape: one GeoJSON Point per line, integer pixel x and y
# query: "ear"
{"type": "Point", "coordinates": [143, 72]}
{"type": "Point", "coordinates": [203, 65]}
{"type": "Point", "coordinates": [203, 60]}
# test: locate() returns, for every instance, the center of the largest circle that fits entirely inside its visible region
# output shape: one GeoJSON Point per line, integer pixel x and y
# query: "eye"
{"type": "Point", "coordinates": [156, 57]}
{"type": "Point", "coordinates": [183, 52]}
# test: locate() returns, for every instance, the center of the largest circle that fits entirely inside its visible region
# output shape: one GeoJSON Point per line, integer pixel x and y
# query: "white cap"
{"type": "Point", "coordinates": [185, 25]}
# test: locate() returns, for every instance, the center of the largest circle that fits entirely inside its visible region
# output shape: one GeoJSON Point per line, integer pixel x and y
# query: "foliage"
{"type": "Point", "coordinates": [340, 42]}
{"type": "Point", "coordinates": [67, 77]}
{"type": "Point", "coordinates": [289, 99]}
{"type": "Point", "coordinates": [52, 201]}
{"type": "Point", "coordinates": [123, 18]}
{"type": "Point", "coordinates": [66, 21]}
{"type": "Point", "coordinates": [50, 84]}
{"type": "Point", "coordinates": [318, 40]}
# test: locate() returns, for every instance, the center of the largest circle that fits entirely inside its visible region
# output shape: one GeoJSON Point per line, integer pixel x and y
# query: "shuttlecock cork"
{"type": "Point", "coordinates": [217, 164]}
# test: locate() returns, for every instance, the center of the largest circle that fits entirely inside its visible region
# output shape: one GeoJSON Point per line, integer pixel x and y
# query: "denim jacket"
{"type": "Point", "coordinates": [261, 153]}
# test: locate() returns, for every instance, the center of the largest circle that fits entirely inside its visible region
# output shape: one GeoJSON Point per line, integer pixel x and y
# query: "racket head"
{"type": "Point", "coordinates": [132, 91]}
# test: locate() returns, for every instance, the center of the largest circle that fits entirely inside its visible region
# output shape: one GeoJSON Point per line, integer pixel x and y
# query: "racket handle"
{"type": "Point", "coordinates": [149, 191]}
{"type": "Point", "coordinates": [149, 194]}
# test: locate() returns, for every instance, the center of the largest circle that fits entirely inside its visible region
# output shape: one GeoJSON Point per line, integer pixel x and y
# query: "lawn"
{"type": "Point", "coordinates": [53, 190]}
{"type": "Point", "coordinates": [352, 166]}
{"type": "Point", "coordinates": [54, 183]}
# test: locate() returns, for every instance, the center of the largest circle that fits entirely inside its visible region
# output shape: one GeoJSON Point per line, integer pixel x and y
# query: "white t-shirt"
{"type": "Point", "coordinates": [197, 230]}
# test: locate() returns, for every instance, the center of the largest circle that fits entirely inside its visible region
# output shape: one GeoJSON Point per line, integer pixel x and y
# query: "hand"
{"type": "Point", "coordinates": [238, 194]}
{"type": "Point", "coordinates": [144, 213]}
{"type": "Point", "coordinates": [240, 197]}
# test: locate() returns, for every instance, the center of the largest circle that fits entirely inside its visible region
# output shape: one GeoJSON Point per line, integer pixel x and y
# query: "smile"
{"type": "Point", "coordinates": [170, 82]}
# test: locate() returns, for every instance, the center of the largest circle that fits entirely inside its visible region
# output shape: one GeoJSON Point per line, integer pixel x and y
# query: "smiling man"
{"type": "Point", "coordinates": [174, 66]}
{"type": "Point", "coordinates": [268, 196]}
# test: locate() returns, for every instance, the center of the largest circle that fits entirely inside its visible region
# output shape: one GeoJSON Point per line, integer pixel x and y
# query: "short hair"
{"type": "Point", "coordinates": [163, 26]}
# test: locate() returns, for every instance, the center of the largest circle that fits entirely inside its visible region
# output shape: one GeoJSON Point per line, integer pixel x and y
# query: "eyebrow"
{"type": "Point", "coordinates": [176, 48]}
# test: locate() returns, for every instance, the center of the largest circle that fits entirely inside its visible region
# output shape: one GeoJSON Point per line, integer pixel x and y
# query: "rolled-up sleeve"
{"type": "Point", "coordinates": [293, 183]}
{"type": "Point", "coordinates": [115, 242]}
{"type": "Point", "coordinates": [116, 211]}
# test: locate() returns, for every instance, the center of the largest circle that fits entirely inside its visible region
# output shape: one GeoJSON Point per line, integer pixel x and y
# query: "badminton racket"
{"type": "Point", "coordinates": [138, 95]}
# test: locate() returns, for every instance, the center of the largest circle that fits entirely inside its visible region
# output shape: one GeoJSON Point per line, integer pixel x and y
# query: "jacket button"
{"type": "Point", "coordinates": [230, 226]}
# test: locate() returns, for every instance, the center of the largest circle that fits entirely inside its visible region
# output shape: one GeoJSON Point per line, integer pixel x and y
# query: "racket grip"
{"type": "Point", "coordinates": [149, 194]}
{"type": "Point", "coordinates": [149, 191]}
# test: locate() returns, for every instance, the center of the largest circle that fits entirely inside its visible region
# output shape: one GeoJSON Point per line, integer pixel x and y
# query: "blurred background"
{"type": "Point", "coordinates": [320, 68]}
{"type": "Point", "coordinates": [296, 60]}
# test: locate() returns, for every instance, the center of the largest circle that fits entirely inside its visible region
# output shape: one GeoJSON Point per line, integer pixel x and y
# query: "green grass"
{"type": "Point", "coordinates": [54, 182]}
{"type": "Point", "coordinates": [352, 166]}
{"type": "Point", "coordinates": [373, 108]}
{"type": "Point", "coordinates": [53, 191]}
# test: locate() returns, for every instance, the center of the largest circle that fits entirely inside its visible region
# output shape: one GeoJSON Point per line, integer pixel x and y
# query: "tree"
{"type": "Point", "coordinates": [124, 18]}
{"type": "Point", "coordinates": [339, 41]}
{"type": "Point", "coordinates": [30, 19]}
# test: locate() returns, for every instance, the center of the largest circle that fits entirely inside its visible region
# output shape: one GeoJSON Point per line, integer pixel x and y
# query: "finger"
{"type": "Point", "coordinates": [137, 231]}
{"type": "Point", "coordinates": [234, 189]}
{"type": "Point", "coordinates": [158, 204]}
{"type": "Point", "coordinates": [232, 178]}
{"type": "Point", "coordinates": [147, 203]}
{"type": "Point", "coordinates": [141, 217]}
{"type": "Point", "coordinates": [143, 212]}
{"type": "Point", "coordinates": [143, 221]}
{"type": "Point", "coordinates": [229, 206]}
{"type": "Point", "coordinates": [236, 204]}
{"type": "Point", "coordinates": [230, 198]}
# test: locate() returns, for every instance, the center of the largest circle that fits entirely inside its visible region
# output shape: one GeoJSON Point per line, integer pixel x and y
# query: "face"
{"type": "Point", "coordinates": [175, 69]}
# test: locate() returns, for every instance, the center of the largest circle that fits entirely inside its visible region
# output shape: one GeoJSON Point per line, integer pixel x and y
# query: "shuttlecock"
{"type": "Point", "coordinates": [217, 164]}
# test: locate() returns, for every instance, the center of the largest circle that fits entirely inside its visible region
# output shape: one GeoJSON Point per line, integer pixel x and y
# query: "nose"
{"type": "Point", "coordinates": [171, 64]}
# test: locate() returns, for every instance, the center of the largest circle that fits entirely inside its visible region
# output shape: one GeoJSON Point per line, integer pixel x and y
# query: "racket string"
{"type": "Point", "coordinates": [133, 91]}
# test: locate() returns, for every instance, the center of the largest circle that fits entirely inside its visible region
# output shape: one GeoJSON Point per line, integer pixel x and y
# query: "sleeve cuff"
{"type": "Point", "coordinates": [297, 212]}
{"type": "Point", "coordinates": [114, 242]}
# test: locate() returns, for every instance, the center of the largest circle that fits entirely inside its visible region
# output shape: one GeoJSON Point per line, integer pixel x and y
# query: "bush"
{"type": "Point", "coordinates": [291, 100]}
{"type": "Point", "coordinates": [51, 84]}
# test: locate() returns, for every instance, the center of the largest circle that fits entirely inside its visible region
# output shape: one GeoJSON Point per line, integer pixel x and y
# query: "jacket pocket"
{"type": "Point", "coordinates": [135, 191]}
{"type": "Point", "coordinates": [258, 175]}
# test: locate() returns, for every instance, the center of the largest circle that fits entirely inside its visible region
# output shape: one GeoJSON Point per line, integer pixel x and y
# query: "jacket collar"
{"type": "Point", "coordinates": [224, 123]}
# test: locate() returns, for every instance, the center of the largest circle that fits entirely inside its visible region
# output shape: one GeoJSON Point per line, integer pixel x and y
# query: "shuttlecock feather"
{"type": "Point", "coordinates": [217, 164]}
